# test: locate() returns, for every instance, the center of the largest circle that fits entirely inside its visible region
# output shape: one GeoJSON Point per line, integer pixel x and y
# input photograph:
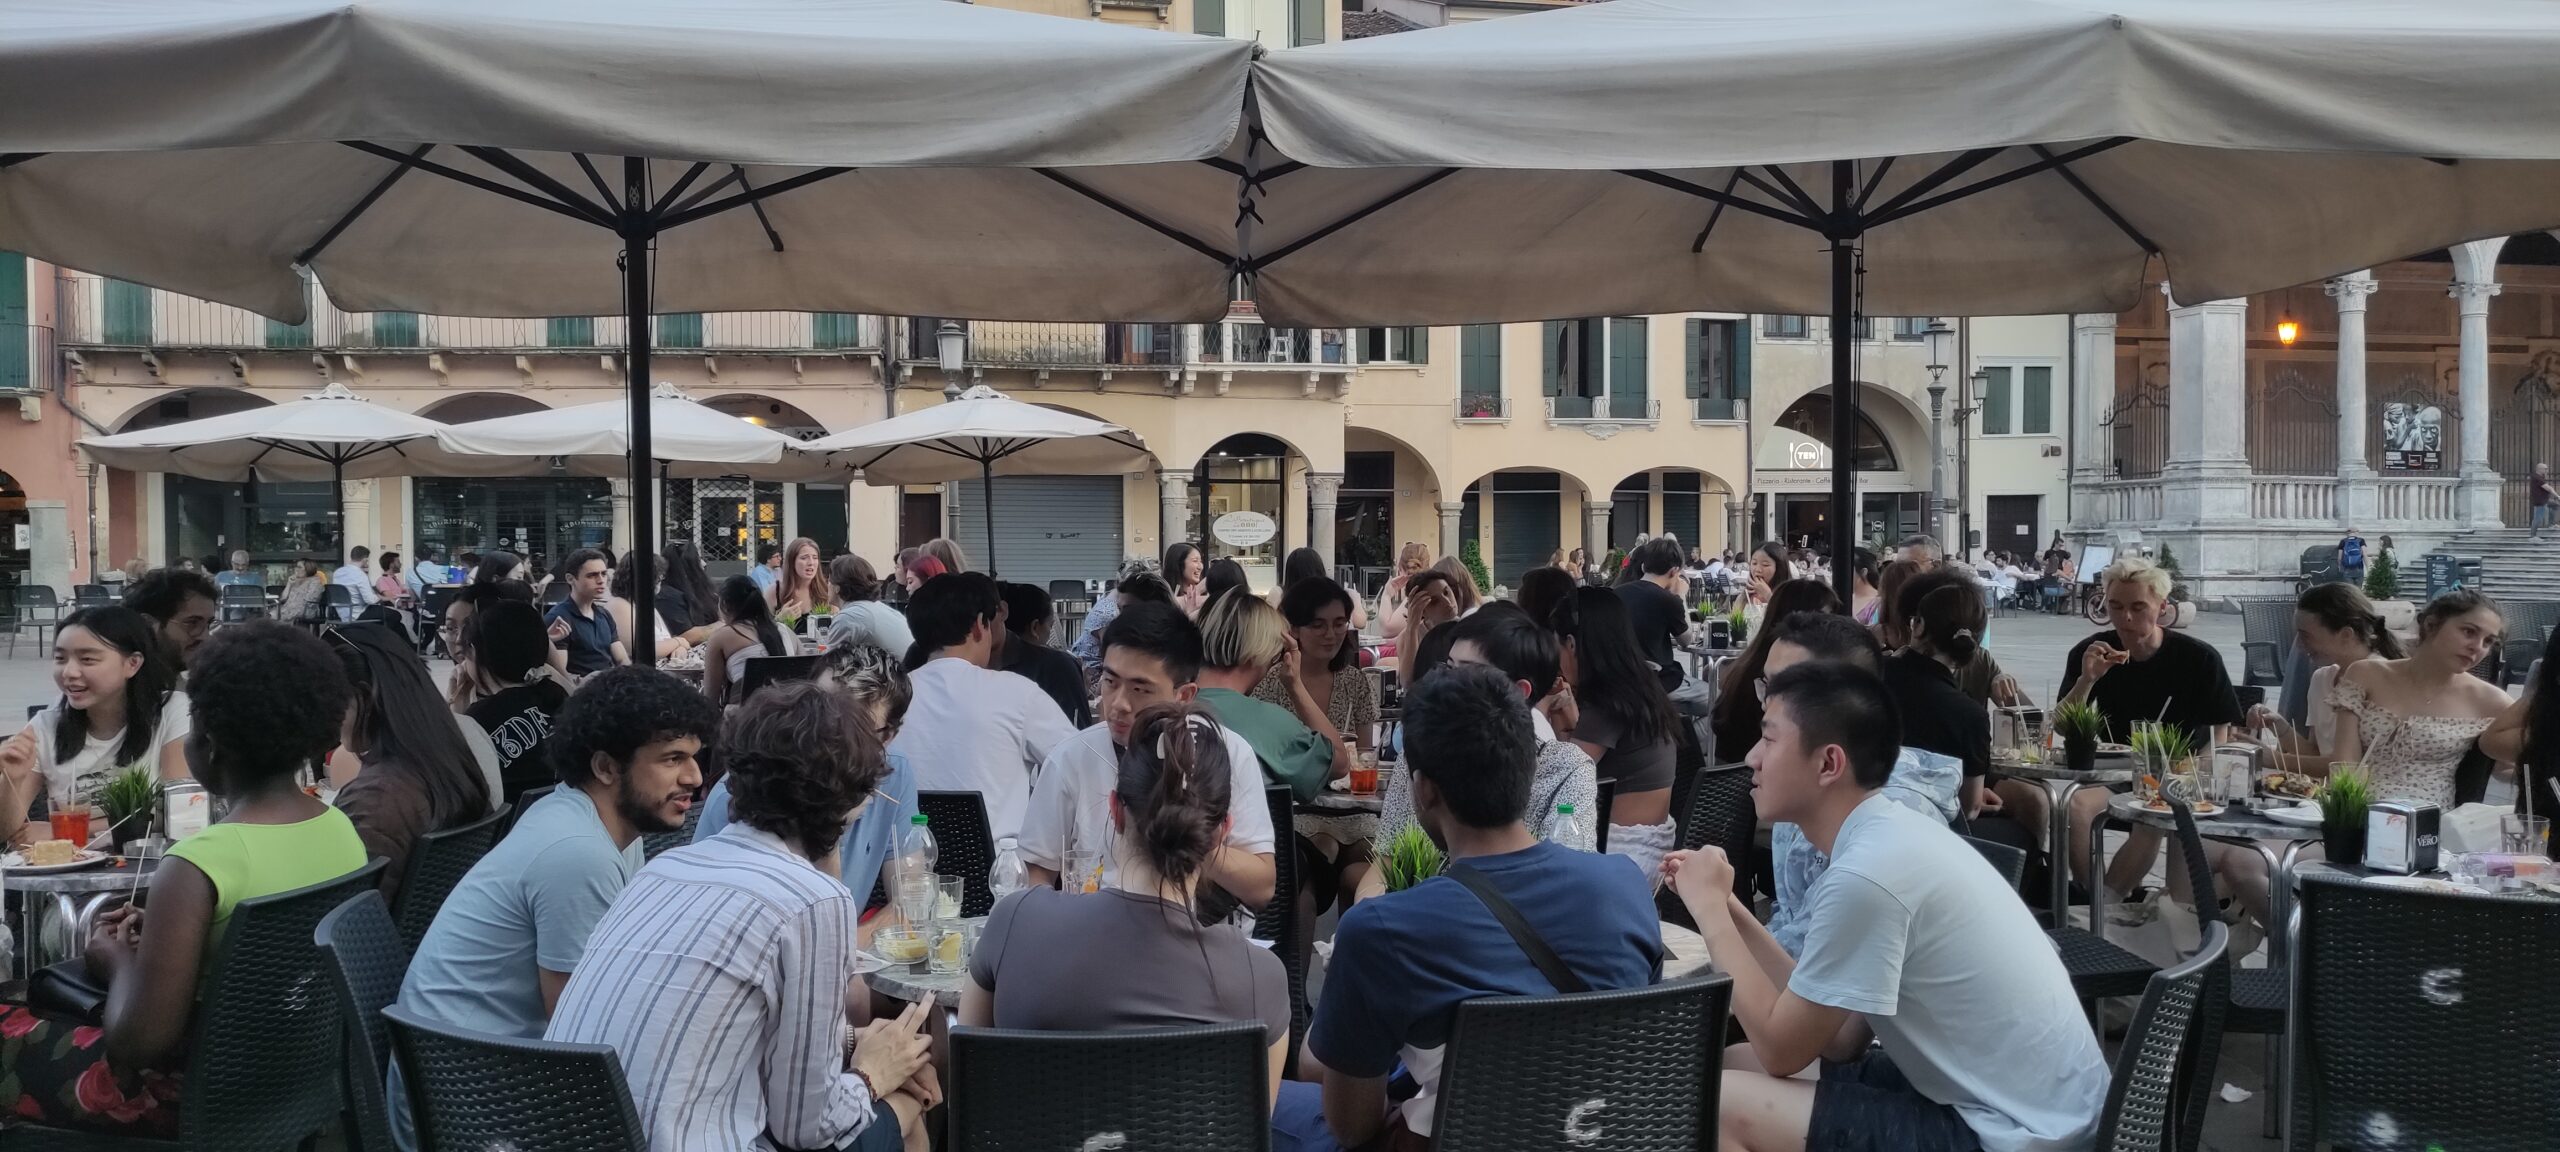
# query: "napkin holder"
{"type": "Point", "coordinates": [2402, 836]}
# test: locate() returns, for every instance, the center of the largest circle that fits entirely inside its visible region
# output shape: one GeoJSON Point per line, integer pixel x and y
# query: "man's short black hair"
{"type": "Point", "coordinates": [1146, 588]}
{"type": "Point", "coordinates": [766, 552]}
{"type": "Point", "coordinates": [1658, 556]}
{"type": "Point", "coordinates": [945, 608]}
{"type": "Point", "coordinates": [508, 637]}
{"type": "Point", "coordinates": [270, 699]}
{"type": "Point", "coordinates": [1830, 636]}
{"type": "Point", "coordinates": [1512, 643]}
{"type": "Point", "coordinates": [1159, 630]}
{"type": "Point", "coordinates": [1468, 732]}
{"type": "Point", "coordinates": [162, 592]}
{"type": "Point", "coordinates": [1025, 606]}
{"type": "Point", "coordinates": [578, 561]}
{"type": "Point", "coordinates": [618, 710]}
{"type": "Point", "coordinates": [1836, 703]}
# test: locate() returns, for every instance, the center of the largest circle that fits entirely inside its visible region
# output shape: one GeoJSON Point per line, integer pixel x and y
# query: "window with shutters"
{"type": "Point", "coordinates": [1862, 328]}
{"type": "Point", "coordinates": [1995, 401]}
{"type": "Point", "coordinates": [680, 330]}
{"type": "Point", "coordinates": [1597, 369]}
{"type": "Point", "coordinates": [569, 332]}
{"type": "Point", "coordinates": [835, 330]}
{"type": "Point", "coordinates": [2035, 400]}
{"type": "Point", "coordinates": [1779, 327]}
{"type": "Point", "coordinates": [1716, 365]}
{"type": "Point", "coordinates": [1910, 327]}
{"type": "Point", "coordinates": [396, 330]}
{"type": "Point", "coordinates": [1395, 345]}
{"type": "Point", "coordinates": [128, 312]}
{"type": "Point", "coordinates": [1480, 371]}
{"type": "Point", "coordinates": [1629, 369]}
{"type": "Point", "coordinates": [1306, 22]}
{"type": "Point", "coordinates": [1209, 17]}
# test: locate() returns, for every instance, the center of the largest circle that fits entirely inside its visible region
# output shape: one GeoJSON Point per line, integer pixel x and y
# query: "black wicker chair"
{"type": "Point", "coordinates": [656, 844]}
{"type": "Point", "coordinates": [2266, 628]}
{"type": "Point", "coordinates": [91, 596]}
{"type": "Point", "coordinates": [436, 864]}
{"type": "Point", "coordinates": [1632, 1070]}
{"type": "Point", "coordinates": [360, 950]}
{"type": "Point", "coordinates": [1278, 921]}
{"type": "Point", "coordinates": [764, 670]}
{"type": "Point", "coordinates": [265, 1040]}
{"type": "Point", "coordinates": [963, 846]}
{"type": "Point", "coordinates": [1607, 787]}
{"type": "Point", "coordinates": [1721, 813]}
{"type": "Point", "coordinates": [2007, 860]}
{"type": "Point", "coordinates": [2164, 1071]}
{"type": "Point", "coordinates": [471, 1090]}
{"type": "Point", "coordinates": [1148, 1088]}
{"type": "Point", "coordinates": [243, 602]}
{"type": "Point", "coordinates": [2432, 1009]}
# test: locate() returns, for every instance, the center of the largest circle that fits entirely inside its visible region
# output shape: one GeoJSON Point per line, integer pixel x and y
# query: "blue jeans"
{"type": "Point", "coordinates": [1297, 1120]}
{"type": "Point", "coordinates": [2543, 516]}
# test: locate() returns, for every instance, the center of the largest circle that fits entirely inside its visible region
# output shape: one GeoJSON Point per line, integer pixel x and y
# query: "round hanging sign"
{"type": "Point", "coordinates": [1244, 529]}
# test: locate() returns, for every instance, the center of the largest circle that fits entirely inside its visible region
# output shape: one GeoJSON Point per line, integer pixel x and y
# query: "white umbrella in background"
{"type": "Point", "coordinates": [690, 440]}
{"type": "Point", "coordinates": [983, 434]}
{"type": "Point", "coordinates": [329, 435]}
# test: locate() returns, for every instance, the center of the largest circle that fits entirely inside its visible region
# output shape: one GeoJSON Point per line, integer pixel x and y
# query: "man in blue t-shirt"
{"type": "Point", "coordinates": [1403, 962]}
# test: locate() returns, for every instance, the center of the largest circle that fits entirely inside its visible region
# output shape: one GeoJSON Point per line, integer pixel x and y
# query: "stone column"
{"type": "Point", "coordinates": [49, 544]}
{"type": "Point", "coordinates": [2475, 280]}
{"type": "Point", "coordinates": [2093, 395]}
{"type": "Point", "coordinates": [1595, 526]}
{"type": "Point", "coordinates": [1449, 513]}
{"type": "Point", "coordinates": [359, 527]}
{"type": "Point", "coordinates": [622, 537]}
{"type": "Point", "coordinates": [2359, 488]}
{"type": "Point", "coordinates": [1174, 492]}
{"type": "Point", "coordinates": [1324, 490]}
{"type": "Point", "coordinates": [2204, 484]}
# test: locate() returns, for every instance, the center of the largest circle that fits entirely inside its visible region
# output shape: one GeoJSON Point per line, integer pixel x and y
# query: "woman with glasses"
{"type": "Point", "coordinates": [415, 773]}
{"type": "Point", "coordinates": [1322, 658]}
{"type": "Point", "coordinates": [872, 677]}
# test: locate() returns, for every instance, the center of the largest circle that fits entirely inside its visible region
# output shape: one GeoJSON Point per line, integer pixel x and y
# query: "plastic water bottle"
{"type": "Point", "coordinates": [1006, 877]}
{"type": "Point", "coordinates": [916, 849]}
{"type": "Point", "coordinates": [1567, 828]}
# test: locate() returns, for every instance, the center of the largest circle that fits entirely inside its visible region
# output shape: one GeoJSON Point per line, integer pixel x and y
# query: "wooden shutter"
{"type": "Point", "coordinates": [1628, 365]}
{"type": "Point", "coordinates": [1693, 362]}
{"type": "Point", "coordinates": [2035, 389]}
{"type": "Point", "coordinates": [1417, 343]}
{"type": "Point", "coordinates": [1741, 359]}
{"type": "Point", "coordinates": [1480, 359]}
{"type": "Point", "coordinates": [1306, 22]}
{"type": "Point", "coordinates": [128, 309]}
{"type": "Point", "coordinates": [396, 330]}
{"type": "Point", "coordinates": [1995, 401]}
{"type": "Point", "coordinates": [17, 356]}
{"type": "Point", "coordinates": [1551, 364]}
{"type": "Point", "coordinates": [569, 332]}
{"type": "Point", "coordinates": [1209, 17]}
{"type": "Point", "coordinates": [680, 330]}
{"type": "Point", "coordinates": [835, 330]}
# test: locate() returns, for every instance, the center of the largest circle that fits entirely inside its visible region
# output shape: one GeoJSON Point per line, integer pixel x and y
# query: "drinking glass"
{"type": "Point", "coordinates": [1364, 774]}
{"type": "Point", "coordinates": [916, 896]}
{"type": "Point", "coordinates": [1084, 872]}
{"type": "Point", "coordinates": [900, 944]}
{"type": "Point", "coordinates": [946, 904]}
{"type": "Point", "coordinates": [71, 822]}
{"type": "Point", "coordinates": [2524, 835]}
{"type": "Point", "coordinates": [953, 941]}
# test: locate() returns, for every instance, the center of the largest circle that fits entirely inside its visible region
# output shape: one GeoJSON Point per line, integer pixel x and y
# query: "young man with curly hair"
{"type": "Point", "coordinates": [719, 977]}
{"type": "Point", "coordinates": [628, 750]}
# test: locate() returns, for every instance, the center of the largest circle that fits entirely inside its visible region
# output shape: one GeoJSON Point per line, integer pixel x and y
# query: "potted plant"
{"type": "Point", "coordinates": [1471, 554]}
{"type": "Point", "coordinates": [129, 799]}
{"type": "Point", "coordinates": [1410, 859]}
{"type": "Point", "coordinates": [2161, 753]}
{"type": "Point", "coordinates": [2382, 579]}
{"type": "Point", "coordinates": [2080, 724]}
{"type": "Point", "coordinates": [1741, 622]}
{"type": "Point", "coordinates": [2345, 799]}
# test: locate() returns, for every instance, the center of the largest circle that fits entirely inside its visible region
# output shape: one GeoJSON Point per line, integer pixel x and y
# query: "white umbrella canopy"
{"type": "Point", "coordinates": [984, 434]}
{"type": "Point", "coordinates": [932, 153]}
{"type": "Point", "coordinates": [1662, 155]}
{"type": "Point", "coordinates": [332, 434]}
{"type": "Point", "coordinates": [691, 440]}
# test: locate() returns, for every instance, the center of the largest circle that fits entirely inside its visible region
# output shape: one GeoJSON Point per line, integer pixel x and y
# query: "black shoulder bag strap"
{"type": "Point", "coordinates": [1523, 935]}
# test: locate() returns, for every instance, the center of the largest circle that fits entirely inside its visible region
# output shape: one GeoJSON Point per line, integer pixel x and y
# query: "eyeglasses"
{"type": "Point", "coordinates": [1760, 688]}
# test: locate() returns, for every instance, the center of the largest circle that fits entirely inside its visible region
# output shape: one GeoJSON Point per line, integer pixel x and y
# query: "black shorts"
{"type": "Point", "coordinates": [1867, 1106]}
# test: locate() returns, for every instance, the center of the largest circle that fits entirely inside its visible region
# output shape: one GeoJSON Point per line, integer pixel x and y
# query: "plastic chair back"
{"type": "Point", "coordinates": [1721, 812]}
{"type": "Point", "coordinates": [763, 670]}
{"type": "Point", "coordinates": [1148, 1088]}
{"type": "Point", "coordinates": [1631, 1070]}
{"type": "Point", "coordinates": [472, 1090]}
{"type": "Point", "coordinates": [2154, 1101]}
{"type": "Point", "coordinates": [1278, 920]}
{"type": "Point", "coordinates": [963, 846]}
{"type": "Point", "coordinates": [437, 864]}
{"type": "Point", "coordinates": [360, 950]}
{"type": "Point", "coordinates": [2010, 862]}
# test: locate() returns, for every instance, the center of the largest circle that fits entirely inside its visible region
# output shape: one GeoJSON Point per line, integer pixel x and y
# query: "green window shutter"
{"type": "Point", "coordinates": [1306, 22]}
{"type": "Point", "coordinates": [1691, 363]}
{"type": "Point", "coordinates": [2035, 385]}
{"type": "Point", "coordinates": [128, 309]}
{"type": "Point", "coordinates": [1417, 345]}
{"type": "Point", "coordinates": [569, 332]}
{"type": "Point", "coordinates": [1628, 358]}
{"type": "Point", "coordinates": [1995, 401]}
{"type": "Point", "coordinates": [680, 330]}
{"type": "Point", "coordinates": [281, 335]}
{"type": "Point", "coordinates": [835, 330]}
{"type": "Point", "coordinates": [1741, 369]}
{"type": "Point", "coordinates": [17, 365]}
{"type": "Point", "coordinates": [395, 330]}
{"type": "Point", "coordinates": [1551, 364]}
{"type": "Point", "coordinates": [1209, 17]}
{"type": "Point", "coordinates": [1480, 359]}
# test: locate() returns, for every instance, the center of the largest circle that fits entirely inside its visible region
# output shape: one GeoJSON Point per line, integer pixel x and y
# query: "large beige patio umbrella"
{"type": "Point", "coordinates": [691, 440]}
{"type": "Point", "coordinates": [579, 157]}
{"type": "Point", "coordinates": [1881, 157]}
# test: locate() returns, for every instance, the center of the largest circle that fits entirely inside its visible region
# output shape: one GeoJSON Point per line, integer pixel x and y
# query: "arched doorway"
{"type": "Point", "coordinates": [1792, 465]}
{"type": "Point", "coordinates": [1239, 499]}
{"type": "Point", "coordinates": [542, 518]}
{"type": "Point", "coordinates": [1685, 503]}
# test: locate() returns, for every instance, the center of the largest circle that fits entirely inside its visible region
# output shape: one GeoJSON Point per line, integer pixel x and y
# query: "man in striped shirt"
{"type": "Point", "coordinates": [720, 975]}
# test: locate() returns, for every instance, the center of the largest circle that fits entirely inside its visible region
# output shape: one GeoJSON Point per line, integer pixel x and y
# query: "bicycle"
{"type": "Point", "coordinates": [2094, 606]}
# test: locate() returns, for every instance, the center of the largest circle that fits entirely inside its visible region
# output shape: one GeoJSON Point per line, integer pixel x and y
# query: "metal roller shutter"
{"type": "Point", "coordinates": [1047, 527]}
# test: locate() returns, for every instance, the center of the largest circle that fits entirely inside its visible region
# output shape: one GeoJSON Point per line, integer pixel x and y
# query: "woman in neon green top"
{"type": "Point", "coordinates": [271, 698]}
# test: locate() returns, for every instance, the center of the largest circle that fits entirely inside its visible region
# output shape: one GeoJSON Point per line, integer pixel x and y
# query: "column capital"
{"type": "Point", "coordinates": [2093, 321]}
{"type": "Point", "coordinates": [2351, 289]}
{"type": "Point", "coordinates": [2473, 295]}
{"type": "Point", "coordinates": [1172, 484]}
{"type": "Point", "coordinates": [1324, 485]}
{"type": "Point", "coordinates": [1452, 507]}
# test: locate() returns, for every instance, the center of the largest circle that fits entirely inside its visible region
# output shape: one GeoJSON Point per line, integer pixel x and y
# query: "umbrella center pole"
{"type": "Point", "coordinates": [1845, 234]}
{"type": "Point", "coordinates": [639, 231]}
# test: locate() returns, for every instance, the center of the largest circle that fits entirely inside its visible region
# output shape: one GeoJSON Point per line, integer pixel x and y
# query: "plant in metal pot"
{"type": "Point", "coordinates": [2080, 724]}
{"type": "Point", "coordinates": [2345, 799]}
{"type": "Point", "coordinates": [129, 798]}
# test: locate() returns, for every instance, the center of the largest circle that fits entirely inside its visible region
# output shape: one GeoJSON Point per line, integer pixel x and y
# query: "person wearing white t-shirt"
{"type": "Point", "coordinates": [1903, 929]}
{"type": "Point", "coordinates": [972, 728]}
{"type": "Point", "coordinates": [120, 709]}
{"type": "Point", "coordinates": [1150, 653]}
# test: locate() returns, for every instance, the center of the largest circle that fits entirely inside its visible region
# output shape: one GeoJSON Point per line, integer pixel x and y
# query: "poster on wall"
{"type": "Point", "coordinates": [2412, 437]}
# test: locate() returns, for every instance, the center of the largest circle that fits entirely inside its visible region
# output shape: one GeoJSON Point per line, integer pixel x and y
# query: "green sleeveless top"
{"type": "Point", "coordinates": [246, 861]}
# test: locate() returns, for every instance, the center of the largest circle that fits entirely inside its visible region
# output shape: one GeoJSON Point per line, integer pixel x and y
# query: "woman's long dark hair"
{"type": "Point", "coordinates": [1787, 599]}
{"type": "Point", "coordinates": [1777, 554]}
{"type": "Point", "coordinates": [1177, 556]}
{"type": "Point", "coordinates": [1174, 785]}
{"type": "Point", "coordinates": [1610, 673]}
{"type": "Point", "coordinates": [681, 569]}
{"type": "Point", "coordinates": [131, 633]}
{"type": "Point", "coordinates": [742, 603]}
{"type": "Point", "coordinates": [2344, 607]}
{"type": "Point", "coordinates": [1302, 564]}
{"type": "Point", "coordinates": [405, 726]}
{"type": "Point", "coordinates": [495, 565]}
{"type": "Point", "coordinates": [1222, 576]}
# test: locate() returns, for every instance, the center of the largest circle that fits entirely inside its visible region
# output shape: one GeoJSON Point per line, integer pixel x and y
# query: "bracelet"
{"type": "Point", "coordinates": [867, 1085]}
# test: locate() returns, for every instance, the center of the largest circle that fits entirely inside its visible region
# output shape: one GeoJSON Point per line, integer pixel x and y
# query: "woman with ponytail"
{"type": "Point", "coordinates": [1134, 955]}
{"type": "Point", "coordinates": [1941, 614]}
{"type": "Point", "coordinates": [2338, 627]}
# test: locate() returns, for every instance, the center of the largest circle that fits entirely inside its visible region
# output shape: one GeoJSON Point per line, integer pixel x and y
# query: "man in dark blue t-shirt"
{"type": "Point", "coordinates": [1402, 963]}
{"type": "Point", "coordinates": [583, 640]}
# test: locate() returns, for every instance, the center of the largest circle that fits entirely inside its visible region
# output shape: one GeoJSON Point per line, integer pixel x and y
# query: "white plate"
{"type": "Point", "coordinates": [17, 862]}
{"type": "Point", "coordinates": [2299, 815]}
{"type": "Point", "coordinates": [2421, 883]}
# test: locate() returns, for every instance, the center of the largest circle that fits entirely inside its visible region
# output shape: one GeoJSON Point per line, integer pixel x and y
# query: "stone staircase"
{"type": "Point", "coordinates": [2513, 566]}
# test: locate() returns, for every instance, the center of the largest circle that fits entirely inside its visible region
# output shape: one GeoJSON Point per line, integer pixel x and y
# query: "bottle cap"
{"type": "Point", "coordinates": [1564, 809]}
{"type": "Point", "coordinates": [919, 819]}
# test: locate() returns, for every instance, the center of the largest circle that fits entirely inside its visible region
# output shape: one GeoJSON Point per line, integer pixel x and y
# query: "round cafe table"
{"type": "Point", "coordinates": [914, 982]}
{"type": "Point", "coordinates": [68, 903]}
{"type": "Point", "coordinates": [1332, 803]}
{"type": "Point", "coordinates": [2060, 785]}
{"type": "Point", "coordinates": [2279, 843]}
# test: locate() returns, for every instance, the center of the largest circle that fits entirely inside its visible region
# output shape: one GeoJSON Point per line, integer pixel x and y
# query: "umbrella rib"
{"type": "Point", "coordinates": [775, 238]}
{"type": "Point", "coordinates": [1726, 199]}
{"type": "Point", "coordinates": [604, 191]}
{"type": "Point", "coordinates": [707, 191]}
{"type": "Point", "coordinates": [1259, 263]}
{"type": "Point", "coordinates": [1873, 179]}
{"type": "Point", "coordinates": [777, 188]}
{"type": "Point", "coordinates": [1717, 213]}
{"type": "Point", "coordinates": [1160, 228]}
{"type": "Point", "coordinates": [381, 186]}
{"type": "Point", "coordinates": [1234, 169]}
{"type": "Point", "coordinates": [486, 185]}
{"type": "Point", "coordinates": [2098, 202]}
{"type": "Point", "coordinates": [1890, 214]}
{"type": "Point", "coordinates": [537, 179]}
{"type": "Point", "coordinates": [682, 182]}
{"type": "Point", "coordinates": [1933, 181]}
{"type": "Point", "coordinates": [1795, 192]}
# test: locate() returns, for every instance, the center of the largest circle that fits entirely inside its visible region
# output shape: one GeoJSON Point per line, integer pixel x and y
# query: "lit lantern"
{"type": "Point", "coordinates": [2287, 331]}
